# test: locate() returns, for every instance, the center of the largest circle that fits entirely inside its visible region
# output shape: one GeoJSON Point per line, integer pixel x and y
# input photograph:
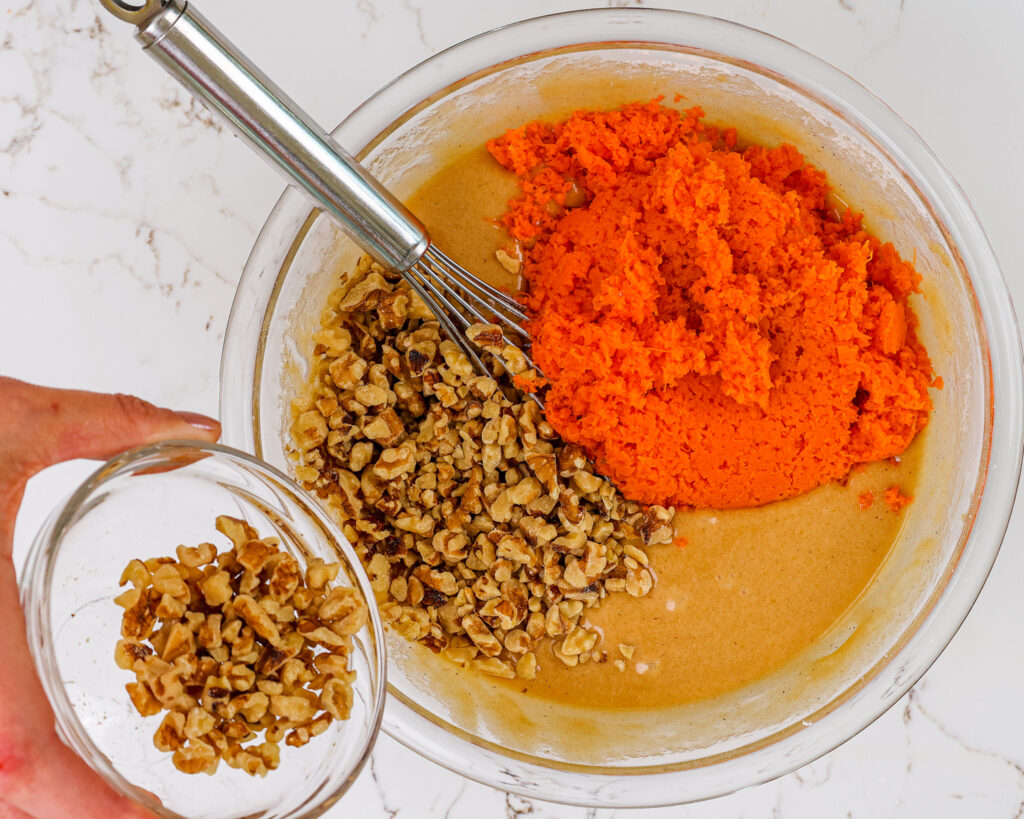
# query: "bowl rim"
{"type": "Point", "coordinates": [949, 603]}
{"type": "Point", "coordinates": [44, 551]}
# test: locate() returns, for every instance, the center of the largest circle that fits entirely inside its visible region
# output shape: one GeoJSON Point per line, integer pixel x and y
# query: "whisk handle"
{"type": "Point", "coordinates": [215, 71]}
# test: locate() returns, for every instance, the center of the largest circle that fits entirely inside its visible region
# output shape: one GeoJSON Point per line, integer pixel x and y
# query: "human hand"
{"type": "Point", "coordinates": [40, 776]}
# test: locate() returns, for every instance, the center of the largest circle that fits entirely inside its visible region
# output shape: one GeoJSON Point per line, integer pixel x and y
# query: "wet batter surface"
{"type": "Point", "coordinates": [750, 589]}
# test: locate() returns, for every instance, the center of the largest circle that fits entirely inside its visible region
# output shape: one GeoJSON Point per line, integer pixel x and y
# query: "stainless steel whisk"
{"type": "Point", "coordinates": [459, 299]}
{"type": "Point", "coordinates": [216, 72]}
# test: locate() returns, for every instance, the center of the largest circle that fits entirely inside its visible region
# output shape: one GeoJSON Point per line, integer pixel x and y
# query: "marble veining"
{"type": "Point", "coordinates": [127, 212]}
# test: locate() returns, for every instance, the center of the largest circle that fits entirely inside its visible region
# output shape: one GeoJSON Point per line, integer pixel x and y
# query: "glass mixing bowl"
{"type": "Point", "coordinates": [772, 92]}
{"type": "Point", "coordinates": [143, 504]}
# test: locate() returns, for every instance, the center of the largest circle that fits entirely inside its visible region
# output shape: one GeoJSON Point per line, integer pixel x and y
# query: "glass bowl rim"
{"type": "Point", "coordinates": [43, 553]}
{"type": "Point", "coordinates": [948, 604]}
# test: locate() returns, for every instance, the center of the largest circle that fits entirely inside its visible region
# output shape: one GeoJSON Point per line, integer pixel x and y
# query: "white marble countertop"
{"type": "Point", "coordinates": [126, 215]}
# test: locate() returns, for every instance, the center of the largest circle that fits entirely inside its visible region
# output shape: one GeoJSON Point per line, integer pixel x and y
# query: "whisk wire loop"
{"type": "Point", "coordinates": [459, 300]}
{"type": "Point", "coordinates": [466, 279]}
{"type": "Point", "coordinates": [435, 302]}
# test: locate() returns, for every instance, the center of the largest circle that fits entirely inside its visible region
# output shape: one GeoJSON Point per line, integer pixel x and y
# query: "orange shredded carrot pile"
{"type": "Point", "coordinates": [896, 500]}
{"type": "Point", "coordinates": [713, 337]}
{"type": "Point", "coordinates": [865, 500]}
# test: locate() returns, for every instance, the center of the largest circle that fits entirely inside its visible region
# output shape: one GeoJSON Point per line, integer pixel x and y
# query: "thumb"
{"type": "Point", "coordinates": [40, 426]}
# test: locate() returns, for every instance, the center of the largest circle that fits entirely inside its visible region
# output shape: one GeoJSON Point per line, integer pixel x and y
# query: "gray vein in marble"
{"type": "Point", "coordinates": [107, 49]}
{"type": "Point", "coordinates": [368, 10]}
{"type": "Point", "coordinates": [122, 165]}
{"type": "Point", "coordinates": [914, 701]}
{"type": "Point", "coordinates": [907, 716]}
{"type": "Point", "coordinates": [18, 247]}
{"type": "Point", "coordinates": [378, 786]}
{"type": "Point", "coordinates": [22, 139]}
{"type": "Point", "coordinates": [124, 265]}
{"type": "Point", "coordinates": [895, 30]}
{"type": "Point", "coordinates": [455, 801]}
{"type": "Point", "coordinates": [19, 13]}
{"type": "Point", "coordinates": [142, 228]}
{"type": "Point", "coordinates": [210, 181]}
{"type": "Point", "coordinates": [189, 110]}
{"type": "Point", "coordinates": [417, 13]}
{"type": "Point", "coordinates": [234, 216]}
{"type": "Point", "coordinates": [517, 806]}
{"type": "Point", "coordinates": [40, 62]}
{"type": "Point", "coordinates": [809, 774]}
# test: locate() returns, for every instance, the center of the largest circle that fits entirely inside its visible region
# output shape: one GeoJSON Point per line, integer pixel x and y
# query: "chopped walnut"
{"type": "Point", "coordinates": [196, 757]}
{"type": "Point", "coordinates": [510, 263]}
{"type": "Point", "coordinates": [234, 645]}
{"type": "Point", "coordinates": [336, 698]}
{"type": "Point", "coordinates": [483, 534]}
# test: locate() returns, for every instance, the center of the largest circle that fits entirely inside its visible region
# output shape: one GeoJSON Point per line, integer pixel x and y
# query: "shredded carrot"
{"type": "Point", "coordinates": [681, 542]}
{"type": "Point", "coordinates": [896, 500]}
{"type": "Point", "coordinates": [712, 336]}
{"type": "Point", "coordinates": [529, 383]}
{"type": "Point", "coordinates": [865, 500]}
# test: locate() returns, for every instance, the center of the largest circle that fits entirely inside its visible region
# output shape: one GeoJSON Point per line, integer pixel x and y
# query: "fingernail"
{"type": "Point", "coordinates": [203, 422]}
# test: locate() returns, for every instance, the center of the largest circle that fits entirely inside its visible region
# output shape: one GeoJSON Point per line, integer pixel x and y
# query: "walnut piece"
{"type": "Point", "coordinates": [233, 645]}
{"type": "Point", "coordinates": [510, 263]}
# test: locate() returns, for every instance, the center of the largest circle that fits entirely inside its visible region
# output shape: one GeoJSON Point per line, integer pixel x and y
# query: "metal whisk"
{"type": "Point", "coordinates": [216, 72]}
{"type": "Point", "coordinates": [459, 300]}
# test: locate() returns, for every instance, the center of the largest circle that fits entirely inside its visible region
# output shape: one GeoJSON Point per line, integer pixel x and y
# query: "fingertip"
{"type": "Point", "coordinates": [203, 423]}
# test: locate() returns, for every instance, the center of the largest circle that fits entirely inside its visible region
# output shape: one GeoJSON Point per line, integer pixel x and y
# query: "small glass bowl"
{"type": "Point", "coordinates": [143, 504]}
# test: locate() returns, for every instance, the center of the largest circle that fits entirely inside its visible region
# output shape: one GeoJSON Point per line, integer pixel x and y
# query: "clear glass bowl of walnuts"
{"type": "Point", "coordinates": [205, 635]}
